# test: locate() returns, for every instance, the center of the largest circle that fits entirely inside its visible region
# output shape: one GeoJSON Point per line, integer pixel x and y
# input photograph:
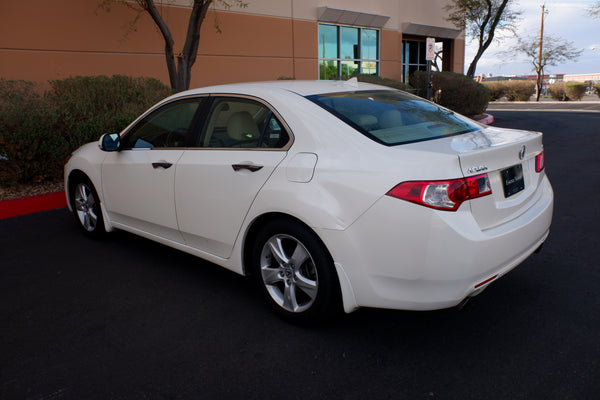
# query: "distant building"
{"type": "Point", "coordinates": [545, 78]}
{"type": "Point", "coordinates": [42, 40]}
{"type": "Point", "coordinates": [595, 78]}
{"type": "Point", "coordinates": [590, 79]}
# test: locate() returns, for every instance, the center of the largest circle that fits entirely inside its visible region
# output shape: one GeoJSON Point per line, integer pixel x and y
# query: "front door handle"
{"type": "Point", "coordinates": [164, 165]}
{"type": "Point", "coordinates": [249, 167]}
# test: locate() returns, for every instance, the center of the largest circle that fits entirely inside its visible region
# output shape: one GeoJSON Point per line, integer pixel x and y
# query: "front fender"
{"type": "Point", "coordinates": [87, 160]}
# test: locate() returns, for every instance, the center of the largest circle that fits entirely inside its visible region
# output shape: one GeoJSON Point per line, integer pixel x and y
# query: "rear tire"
{"type": "Point", "coordinates": [295, 272]}
{"type": "Point", "coordinates": [86, 207]}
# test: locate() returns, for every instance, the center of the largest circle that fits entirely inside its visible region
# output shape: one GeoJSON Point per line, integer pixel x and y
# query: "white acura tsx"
{"type": "Point", "coordinates": [334, 195]}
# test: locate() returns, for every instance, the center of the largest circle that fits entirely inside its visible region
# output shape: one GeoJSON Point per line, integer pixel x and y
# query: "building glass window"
{"type": "Point", "coordinates": [345, 51]}
{"type": "Point", "coordinates": [328, 41]}
{"type": "Point", "coordinates": [413, 58]}
{"type": "Point", "coordinates": [349, 43]}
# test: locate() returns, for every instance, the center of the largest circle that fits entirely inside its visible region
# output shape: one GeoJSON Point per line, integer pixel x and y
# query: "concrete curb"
{"type": "Point", "coordinates": [489, 118]}
{"type": "Point", "coordinates": [32, 204]}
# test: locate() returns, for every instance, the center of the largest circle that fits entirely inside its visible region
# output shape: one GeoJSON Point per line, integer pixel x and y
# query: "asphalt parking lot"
{"type": "Point", "coordinates": [125, 318]}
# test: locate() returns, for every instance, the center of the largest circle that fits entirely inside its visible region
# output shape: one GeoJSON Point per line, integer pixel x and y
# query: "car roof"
{"type": "Point", "coordinates": [300, 87]}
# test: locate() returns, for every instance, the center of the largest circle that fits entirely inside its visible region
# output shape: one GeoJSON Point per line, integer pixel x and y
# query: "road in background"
{"type": "Point", "coordinates": [587, 104]}
{"type": "Point", "coordinates": [126, 318]}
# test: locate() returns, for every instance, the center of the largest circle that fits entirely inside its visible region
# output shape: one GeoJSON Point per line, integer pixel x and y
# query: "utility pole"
{"type": "Point", "coordinates": [540, 68]}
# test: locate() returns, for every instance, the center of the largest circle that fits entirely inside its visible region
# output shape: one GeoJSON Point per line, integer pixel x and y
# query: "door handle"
{"type": "Point", "coordinates": [164, 165]}
{"type": "Point", "coordinates": [249, 167]}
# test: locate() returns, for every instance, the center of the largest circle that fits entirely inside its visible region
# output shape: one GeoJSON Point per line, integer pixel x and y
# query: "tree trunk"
{"type": "Point", "coordinates": [484, 44]}
{"type": "Point", "coordinates": [150, 8]}
{"type": "Point", "coordinates": [192, 40]}
{"type": "Point", "coordinates": [473, 65]}
{"type": "Point", "coordinates": [180, 66]}
{"type": "Point", "coordinates": [538, 83]}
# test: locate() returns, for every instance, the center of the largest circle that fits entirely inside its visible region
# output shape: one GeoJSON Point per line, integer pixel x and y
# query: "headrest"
{"type": "Point", "coordinates": [390, 119]}
{"type": "Point", "coordinates": [364, 120]}
{"type": "Point", "coordinates": [241, 127]}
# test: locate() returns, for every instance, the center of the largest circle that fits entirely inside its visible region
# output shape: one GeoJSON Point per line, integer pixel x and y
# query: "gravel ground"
{"type": "Point", "coordinates": [33, 189]}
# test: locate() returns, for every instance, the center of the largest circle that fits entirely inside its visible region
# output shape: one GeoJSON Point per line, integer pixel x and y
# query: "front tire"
{"type": "Point", "coordinates": [86, 207]}
{"type": "Point", "coordinates": [295, 272]}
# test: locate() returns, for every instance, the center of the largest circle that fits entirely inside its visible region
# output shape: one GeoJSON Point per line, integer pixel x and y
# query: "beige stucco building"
{"type": "Point", "coordinates": [303, 39]}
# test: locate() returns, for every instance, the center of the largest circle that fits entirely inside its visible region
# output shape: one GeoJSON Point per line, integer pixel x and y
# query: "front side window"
{"type": "Point", "coordinates": [242, 123]}
{"type": "Point", "coordinates": [345, 51]}
{"type": "Point", "coordinates": [393, 117]}
{"type": "Point", "coordinates": [169, 126]}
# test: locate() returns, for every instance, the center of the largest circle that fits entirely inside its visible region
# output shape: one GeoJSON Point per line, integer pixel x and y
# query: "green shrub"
{"type": "Point", "coordinates": [519, 90]}
{"type": "Point", "coordinates": [26, 138]}
{"type": "Point", "coordinates": [454, 91]}
{"type": "Point", "coordinates": [90, 106]}
{"type": "Point", "coordinates": [558, 92]}
{"type": "Point", "coordinates": [575, 90]}
{"type": "Point", "coordinates": [378, 80]}
{"type": "Point", "coordinates": [38, 133]}
{"type": "Point", "coordinates": [496, 89]}
{"type": "Point", "coordinates": [597, 87]}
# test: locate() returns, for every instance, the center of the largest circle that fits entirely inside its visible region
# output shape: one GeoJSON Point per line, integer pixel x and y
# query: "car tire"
{"type": "Point", "coordinates": [295, 272]}
{"type": "Point", "coordinates": [86, 207]}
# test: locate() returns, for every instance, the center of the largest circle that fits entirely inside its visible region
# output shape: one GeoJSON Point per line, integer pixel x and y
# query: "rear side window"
{"type": "Point", "coordinates": [393, 117]}
{"type": "Point", "coordinates": [242, 123]}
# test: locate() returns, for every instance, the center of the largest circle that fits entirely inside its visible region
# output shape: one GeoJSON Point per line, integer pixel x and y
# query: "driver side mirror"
{"type": "Point", "coordinates": [110, 142]}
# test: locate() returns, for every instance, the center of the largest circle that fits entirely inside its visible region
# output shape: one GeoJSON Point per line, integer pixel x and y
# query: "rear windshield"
{"type": "Point", "coordinates": [393, 117]}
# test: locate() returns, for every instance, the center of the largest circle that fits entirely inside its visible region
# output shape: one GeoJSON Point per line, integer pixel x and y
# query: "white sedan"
{"type": "Point", "coordinates": [334, 195]}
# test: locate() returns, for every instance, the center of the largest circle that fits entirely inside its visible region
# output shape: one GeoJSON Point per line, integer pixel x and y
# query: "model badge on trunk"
{"type": "Point", "coordinates": [477, 169]}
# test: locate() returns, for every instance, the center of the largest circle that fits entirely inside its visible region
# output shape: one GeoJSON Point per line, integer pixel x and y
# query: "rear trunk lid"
{"type": "Point", "coordinates": [507, 156]}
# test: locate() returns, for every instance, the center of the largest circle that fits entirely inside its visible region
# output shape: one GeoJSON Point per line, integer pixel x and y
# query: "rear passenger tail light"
{"type": "Point", "coordinates": [443, 195]}
{"type": "Point", "coordinates": [540, 162]}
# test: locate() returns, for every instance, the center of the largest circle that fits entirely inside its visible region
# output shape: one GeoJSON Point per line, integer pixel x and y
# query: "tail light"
{"type": "Point", "coordinates": [443, 195]}
{"type": "Point", "coordinates": [540, 162]}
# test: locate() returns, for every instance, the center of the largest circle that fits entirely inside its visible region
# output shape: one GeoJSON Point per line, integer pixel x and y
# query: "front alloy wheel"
{"type": "Point", "coordinates": [85, 207]}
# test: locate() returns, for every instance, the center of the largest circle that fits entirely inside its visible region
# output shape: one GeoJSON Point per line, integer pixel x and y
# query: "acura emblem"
{"type": "Point", "coordinates": [522, 152]}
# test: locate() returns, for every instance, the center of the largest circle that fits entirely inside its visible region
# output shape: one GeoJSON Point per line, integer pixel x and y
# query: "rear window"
{"type": "Point", "coordinates": [393, 117]}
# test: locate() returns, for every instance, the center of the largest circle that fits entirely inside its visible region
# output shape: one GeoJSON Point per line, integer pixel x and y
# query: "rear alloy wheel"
{"type": "Point", "coordinates": [86, 208]}
{"type": "Point", "coordinates": [295, 272]}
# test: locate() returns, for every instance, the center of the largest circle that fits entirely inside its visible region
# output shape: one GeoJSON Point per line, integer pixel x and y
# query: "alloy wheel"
{"type": "Point", "coordinates": [85, 204]}
{"type": "Point", "coordinates": [289, 273]}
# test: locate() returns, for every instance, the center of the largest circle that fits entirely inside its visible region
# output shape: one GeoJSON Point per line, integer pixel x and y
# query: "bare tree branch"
{"type": "Point", "coordinates": [480, 19]}
{"type": "Point", "coordinates": [555, 51]}
{"type": "Point", "coordinates": [594, 10]}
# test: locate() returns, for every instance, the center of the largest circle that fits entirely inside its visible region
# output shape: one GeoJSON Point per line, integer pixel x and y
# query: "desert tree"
{"type": "Point", "coordinates": [594, 10]}
{"type": "Point", "coordinates": [555, 51]}
{"type": "Point", "coordinates": [179, 65]}
{"type": "Point", "coordinates": [481, 20]}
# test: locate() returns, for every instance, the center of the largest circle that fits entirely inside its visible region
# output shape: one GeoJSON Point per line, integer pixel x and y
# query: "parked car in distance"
{"type": "Point", "coordinates": [333, 195]}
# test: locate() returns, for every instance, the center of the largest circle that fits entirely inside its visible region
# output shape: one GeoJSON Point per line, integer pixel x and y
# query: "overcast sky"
{"type": "Point", "coordinates": [567, 19]}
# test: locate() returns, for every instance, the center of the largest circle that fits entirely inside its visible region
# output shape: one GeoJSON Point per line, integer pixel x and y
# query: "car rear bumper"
{"type": "Point", "coordinates": [403, 256]}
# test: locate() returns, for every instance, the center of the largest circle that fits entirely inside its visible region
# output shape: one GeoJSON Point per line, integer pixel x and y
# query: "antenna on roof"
{"type": "Point", "coordinates": [352, 82]}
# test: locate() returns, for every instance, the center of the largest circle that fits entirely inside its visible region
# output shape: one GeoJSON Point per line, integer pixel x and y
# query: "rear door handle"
{"type": "Point", "coordinates": [164, 165]}
{"type": "Point", "coordinates": [249, 167]}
